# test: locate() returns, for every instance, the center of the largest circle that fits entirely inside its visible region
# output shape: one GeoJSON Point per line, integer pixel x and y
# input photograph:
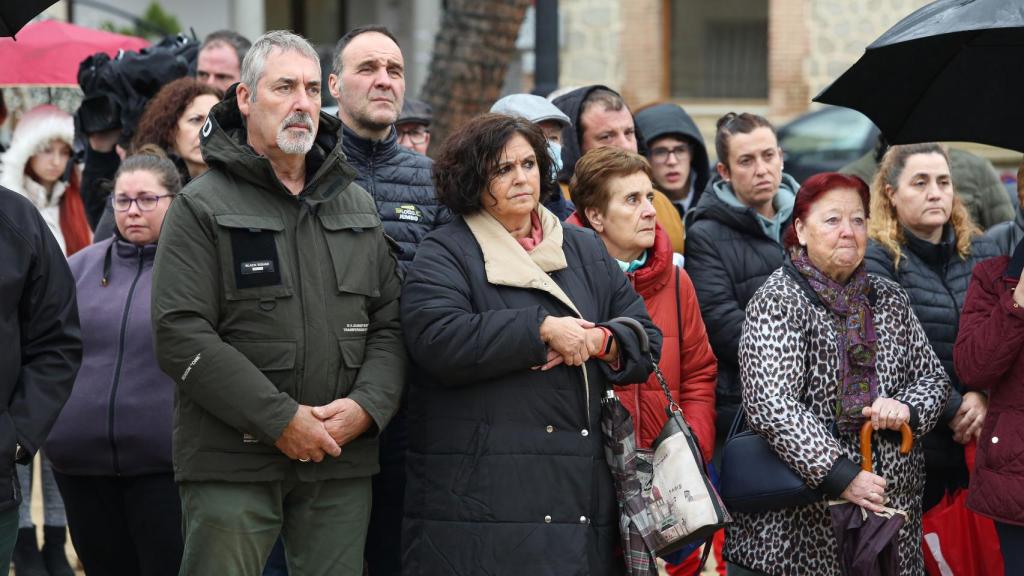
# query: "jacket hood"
{"type": "Point", "coordinates": [224, 146]}
{"type": "Point", "coordinates": [572, 137]}
{"type": "Point", "coordinates": [719, 203]}
{"type": "Point", "coordinates": [656, 271]}
{"type": "Point", "coordinates": [35, 130]}
{"type": "Point", "coordinates": [672, 120]}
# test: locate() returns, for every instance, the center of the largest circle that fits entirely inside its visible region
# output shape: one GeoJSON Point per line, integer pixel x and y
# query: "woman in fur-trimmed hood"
{"type": "Point", "coordinates": [36, 166]}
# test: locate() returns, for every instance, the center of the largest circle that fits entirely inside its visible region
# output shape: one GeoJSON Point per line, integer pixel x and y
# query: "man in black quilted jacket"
{"type": "Point", "coordinates": [368, 80]}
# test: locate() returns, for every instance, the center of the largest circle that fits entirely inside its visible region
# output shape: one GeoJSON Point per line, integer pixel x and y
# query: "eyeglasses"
{"type": "Point", "coordinates": [660, 155]}
{"type": "Point", "coordinates": [145, 203]}
{"type": "Point", "coordinates": [415, 135]}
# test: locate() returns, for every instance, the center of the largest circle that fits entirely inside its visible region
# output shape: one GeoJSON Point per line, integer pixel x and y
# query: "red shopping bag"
{"type": "Point", "coordinates": [958, 542]}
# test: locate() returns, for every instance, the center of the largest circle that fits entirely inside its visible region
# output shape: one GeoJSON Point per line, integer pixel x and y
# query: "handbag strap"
{"type": "Point", "coordinates": [672, 406]}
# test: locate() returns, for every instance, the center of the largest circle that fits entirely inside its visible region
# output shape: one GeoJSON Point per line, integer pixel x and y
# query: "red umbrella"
{"type": "Point", "coordinates": [48, 53]}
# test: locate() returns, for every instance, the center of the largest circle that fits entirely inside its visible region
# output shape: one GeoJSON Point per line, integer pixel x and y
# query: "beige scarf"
{"type": "Point", "coordinates": [507, 264]}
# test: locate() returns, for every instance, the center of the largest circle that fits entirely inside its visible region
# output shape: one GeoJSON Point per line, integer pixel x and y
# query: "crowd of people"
{"type": "Point", "coordinates": [257, 338]}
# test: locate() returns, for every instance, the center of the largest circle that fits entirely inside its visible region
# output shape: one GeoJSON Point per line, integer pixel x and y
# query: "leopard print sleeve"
{"type": "Point", "coordinates": [785, 374]}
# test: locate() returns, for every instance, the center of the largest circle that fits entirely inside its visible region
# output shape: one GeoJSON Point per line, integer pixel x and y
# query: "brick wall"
{"type": "Point", "coordinates": [788, 48]}
{"type": "Point", "coordinates": [643, 52]}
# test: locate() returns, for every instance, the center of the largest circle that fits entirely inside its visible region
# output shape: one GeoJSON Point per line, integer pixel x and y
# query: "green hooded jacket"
{"type": "Point", "coordinates": [263, 301]}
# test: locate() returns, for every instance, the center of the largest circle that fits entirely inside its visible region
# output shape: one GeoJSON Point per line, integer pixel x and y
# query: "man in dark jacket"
{"type": "Point", "coordinates": [369, 83]}
{"type": "Point", "coordinates": [675, 148]}
{"type": "Point", "coordinates": [599, 117]}
{"type": "Point", "coordinates": [733, 241]}
{"type": "Point", "coordinates": [42, 346]}
{"type": "Point", "coordinates": [275, 309]}
{"type": "Point", "coordinates": [368, 80]}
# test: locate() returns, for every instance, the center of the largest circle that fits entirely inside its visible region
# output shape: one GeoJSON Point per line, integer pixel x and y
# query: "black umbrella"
{"type": "Point", "coordinates": [866, 539]}
{"type": "Point", "coordinates": [16, 13]}
{"type": "Point", "coordinates": [951, 71]}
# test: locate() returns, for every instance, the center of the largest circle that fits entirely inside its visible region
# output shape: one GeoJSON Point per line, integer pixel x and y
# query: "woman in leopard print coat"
{"type": "Point", "coordinates": [824, 347]}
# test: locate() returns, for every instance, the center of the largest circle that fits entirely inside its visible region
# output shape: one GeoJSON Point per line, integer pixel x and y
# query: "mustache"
{"type": "Point", "coordinates": [299, 118]}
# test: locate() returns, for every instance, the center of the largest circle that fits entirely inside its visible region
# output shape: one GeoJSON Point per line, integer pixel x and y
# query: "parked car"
{"type": "Point", "coordinates": [825, 140]}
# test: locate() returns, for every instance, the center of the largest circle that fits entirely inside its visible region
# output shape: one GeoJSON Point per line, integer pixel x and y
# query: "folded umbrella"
{"type": "Point", "coordinates": [866, 539]}
{"type": "Point", "coordinates": [949, 71]}
{"type": "Point", "coordinates": [620, 452]}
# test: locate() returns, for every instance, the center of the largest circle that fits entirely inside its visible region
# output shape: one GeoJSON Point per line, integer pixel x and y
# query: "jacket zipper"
{"type": "Point", "coordinates": [303, 205]}
{"type": "Point", "coordinates": [117, 366]}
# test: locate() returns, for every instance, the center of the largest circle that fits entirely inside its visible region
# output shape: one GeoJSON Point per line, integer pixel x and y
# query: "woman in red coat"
{"type": "Point", "coordinates": [989, 355]}
{"type": "Point", "coordinates": [613, 194]}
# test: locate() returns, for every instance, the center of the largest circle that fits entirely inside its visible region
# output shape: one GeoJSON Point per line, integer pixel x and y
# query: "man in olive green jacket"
{"type": "Point", "coordinates": [275, 309]}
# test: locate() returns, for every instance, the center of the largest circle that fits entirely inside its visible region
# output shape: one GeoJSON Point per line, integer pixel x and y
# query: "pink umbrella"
{"type": "Point", "coordinates": [48, 53]}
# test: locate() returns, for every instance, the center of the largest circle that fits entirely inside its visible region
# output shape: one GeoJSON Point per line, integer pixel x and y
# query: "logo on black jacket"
{"type": "Point", "coordinates": [409, 213]}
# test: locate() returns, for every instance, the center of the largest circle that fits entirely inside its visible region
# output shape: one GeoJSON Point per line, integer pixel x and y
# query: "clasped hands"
{"type": "Point", "coordinates": [572, 341]}
{"type": "Point", "coordinates": [318, 431]}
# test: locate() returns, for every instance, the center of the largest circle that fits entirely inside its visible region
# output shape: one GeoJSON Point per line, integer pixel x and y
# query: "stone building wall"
{"type": "Point", "coordinates": [840, 30]}
{"type": "Point", "coordinates": [591, 50]}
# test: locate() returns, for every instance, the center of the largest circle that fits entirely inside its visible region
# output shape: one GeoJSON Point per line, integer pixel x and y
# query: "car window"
{"type": "Point", "coordinates": [833, 134]}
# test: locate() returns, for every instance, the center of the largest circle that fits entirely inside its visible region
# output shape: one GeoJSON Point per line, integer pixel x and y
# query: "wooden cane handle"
{"type": "Point", "coordinates": [906, 443]}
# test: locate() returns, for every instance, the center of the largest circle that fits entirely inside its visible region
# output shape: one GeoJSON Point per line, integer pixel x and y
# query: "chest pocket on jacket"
{"type": "Point", "coordinates": [352, 241]}
{"type": "Point", "coordinates": [252, 264]}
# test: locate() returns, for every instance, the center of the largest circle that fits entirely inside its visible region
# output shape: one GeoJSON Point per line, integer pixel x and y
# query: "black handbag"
{"type": "Point", "coordinates": [753, 477]}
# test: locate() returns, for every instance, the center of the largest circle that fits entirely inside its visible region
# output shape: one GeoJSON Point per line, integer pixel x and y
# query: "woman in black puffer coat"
{"type": "Point", "coordinates": [924, 239]}
{"type": "Point", "coordinates": [505, 314]}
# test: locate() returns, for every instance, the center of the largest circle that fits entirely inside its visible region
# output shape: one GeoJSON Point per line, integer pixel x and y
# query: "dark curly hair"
{"type": "Point", "coordinates": [465, 165]}
{"type": "Point", "coordinates": [160, 118]}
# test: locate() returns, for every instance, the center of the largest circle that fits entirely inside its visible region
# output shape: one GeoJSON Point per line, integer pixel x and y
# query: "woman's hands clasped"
{"type": "Point", "coordinates": [572, 341]}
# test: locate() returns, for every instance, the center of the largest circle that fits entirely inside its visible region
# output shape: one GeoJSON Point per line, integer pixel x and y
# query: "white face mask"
{"type": "Point", "coordinates": [555, 151]}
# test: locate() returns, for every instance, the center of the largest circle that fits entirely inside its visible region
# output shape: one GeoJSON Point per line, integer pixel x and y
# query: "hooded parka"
{"type": "Point", "coordinates": [671, 120]}
{"type": "Point", "coordinates": [263, 300]}
{"type": "Point", "coordinates": [729, 255]}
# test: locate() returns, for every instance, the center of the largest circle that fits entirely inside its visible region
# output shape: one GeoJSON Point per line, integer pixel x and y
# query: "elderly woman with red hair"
{"type": "Point", "coordinates": [825, 347]}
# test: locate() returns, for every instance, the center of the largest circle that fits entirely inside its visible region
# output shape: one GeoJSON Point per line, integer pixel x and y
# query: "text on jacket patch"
{"type": "Point", "coordinates": [257, 267]}
{"type": "Point", "coordinates": [409, 213]}
{"type": "Point", "coordinates": [355, 327]}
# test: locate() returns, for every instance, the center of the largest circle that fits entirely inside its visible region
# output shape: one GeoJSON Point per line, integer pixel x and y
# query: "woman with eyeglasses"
{"type": "Point", "coordinates": [111, 445]}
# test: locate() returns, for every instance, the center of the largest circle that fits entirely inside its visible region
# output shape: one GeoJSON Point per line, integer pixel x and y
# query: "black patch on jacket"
{"type": "Point", "coordinates": [255, 258]}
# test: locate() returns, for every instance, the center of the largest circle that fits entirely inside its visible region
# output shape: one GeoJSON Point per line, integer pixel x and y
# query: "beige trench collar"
{"type": "Point", "coordinates": [507, 264]}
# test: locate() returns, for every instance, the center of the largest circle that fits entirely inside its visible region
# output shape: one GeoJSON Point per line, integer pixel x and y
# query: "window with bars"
{"type": "Point", "coordinates": [718, 49]}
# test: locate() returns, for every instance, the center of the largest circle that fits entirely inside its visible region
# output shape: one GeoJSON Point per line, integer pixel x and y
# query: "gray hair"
{"type": "Point", "coordinates": [256, 59]}
{"type": "Point", "coordinates": [230, 38]}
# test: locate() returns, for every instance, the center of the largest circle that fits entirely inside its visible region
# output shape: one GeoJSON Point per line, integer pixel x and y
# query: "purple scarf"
{"type": "Point", "coordinates": [858, 343]}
